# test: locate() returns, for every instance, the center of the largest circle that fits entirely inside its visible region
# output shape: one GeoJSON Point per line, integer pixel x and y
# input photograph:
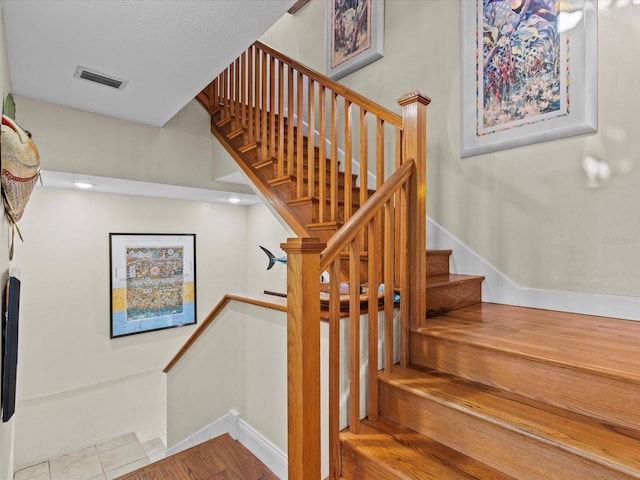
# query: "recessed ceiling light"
{"type": "Point", "coordinates": [234, 200]}
{"type": "Point", "coordinates": [83, 185]}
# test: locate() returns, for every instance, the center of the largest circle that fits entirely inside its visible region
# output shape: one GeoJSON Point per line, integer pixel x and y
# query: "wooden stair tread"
{"type": "Point", "coordinates": [401, 453]}
{"type": "Point", "coordinates": [615, 448]}
{"type": "Point", "coordinates": [451, 279]}
{"type": "Point", "coordinates": [602, 345]}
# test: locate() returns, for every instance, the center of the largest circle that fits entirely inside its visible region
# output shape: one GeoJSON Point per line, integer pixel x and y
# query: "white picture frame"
{"type": "Point", "coordinates": [354, 35]}
{"type": "Point", "coordinates": [489, 120]}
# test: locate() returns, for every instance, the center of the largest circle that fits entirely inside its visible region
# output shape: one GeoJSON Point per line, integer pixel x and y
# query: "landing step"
{"type": "Point", "coordinates": [496, 427]}
{"type": "Point", "coordinates": [447, 292]}
{"type": "Point", "coordinates": [583, 363]}
{"type": "Point", "coordinates": [387, 451]}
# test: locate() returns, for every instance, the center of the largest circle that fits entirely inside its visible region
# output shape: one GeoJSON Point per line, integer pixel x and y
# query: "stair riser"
{"type": "Point", "coordinates": [356, 467]}
{"type": "Point", "coordinates": [451, 297]}
{"type": "Point", "coordinates": [608, 399]}
{"type": "Point", "coordinates": [509, 451]}
{"type": "Point", "coordinates": [438, 263]}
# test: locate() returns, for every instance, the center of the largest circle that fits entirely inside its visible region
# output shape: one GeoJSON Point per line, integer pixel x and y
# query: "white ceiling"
{"type": "Point", "coordinates": [167, 50]}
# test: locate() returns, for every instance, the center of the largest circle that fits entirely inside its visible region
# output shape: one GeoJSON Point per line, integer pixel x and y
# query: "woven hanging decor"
{"type": "Point", "coordinates": [20, 171]}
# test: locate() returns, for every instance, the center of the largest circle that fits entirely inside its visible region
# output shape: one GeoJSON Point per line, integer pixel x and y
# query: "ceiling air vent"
{"type": "Point", "coordinates": [101, 78]}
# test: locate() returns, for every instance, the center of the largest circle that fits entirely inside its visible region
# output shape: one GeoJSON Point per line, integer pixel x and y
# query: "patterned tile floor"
{"type": "Point", "coordinates": [105, 461]}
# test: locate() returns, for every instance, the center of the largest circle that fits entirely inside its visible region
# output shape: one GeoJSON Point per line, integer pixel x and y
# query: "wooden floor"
{"type": "Point", "coordinates": [222, 458]}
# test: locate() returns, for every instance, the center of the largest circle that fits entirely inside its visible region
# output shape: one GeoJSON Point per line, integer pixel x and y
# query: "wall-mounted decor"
{"type": "Point", "coordinates": [20, 167]}
{"type": "Point", "coordinates": [153, 282]}
{"type": "Point", "coordinates": [272, 258]}
{"type": "Point", "coordinates": [9, 327]}
{"type": "Point", "coordinates": [355, 35]}
{"type": "Point", "coordinates": [528, 72]}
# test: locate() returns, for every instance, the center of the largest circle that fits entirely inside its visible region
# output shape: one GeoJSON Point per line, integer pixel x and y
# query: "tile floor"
{"type": "Point", "coordinates": [105, 461]}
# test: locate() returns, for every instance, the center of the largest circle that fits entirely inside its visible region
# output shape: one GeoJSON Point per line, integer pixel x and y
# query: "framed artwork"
{"type": "Point", "coordinates": [528, 72]}
{"type": "Point", "coordinates": [153, 282]}
{"type": "Point", "coordinates": [355, 35]}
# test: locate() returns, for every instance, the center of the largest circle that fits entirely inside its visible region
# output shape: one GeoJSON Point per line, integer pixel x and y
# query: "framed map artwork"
{"type": "Point", "coordinates": [153, 282]}
{"type": "Point", "coordinates": [528, 72]}
{"type": "Point", "coordinates": [355, 31]}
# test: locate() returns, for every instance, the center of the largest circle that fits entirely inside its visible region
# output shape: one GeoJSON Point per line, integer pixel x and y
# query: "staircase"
{"type": "Point", "coordinates": [482, 391]}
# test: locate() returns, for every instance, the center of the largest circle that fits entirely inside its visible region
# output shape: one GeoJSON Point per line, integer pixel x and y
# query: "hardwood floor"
{"type": "Point", "coordinates": [221, 458]}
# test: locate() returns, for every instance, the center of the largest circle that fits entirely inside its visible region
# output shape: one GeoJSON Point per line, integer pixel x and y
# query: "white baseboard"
{"type": "Point", "coordinates": [499, 288]}
{"type": "Point", "coordinates": [231, 423]}
{"type": "Point", "coordinates": [261, 447]}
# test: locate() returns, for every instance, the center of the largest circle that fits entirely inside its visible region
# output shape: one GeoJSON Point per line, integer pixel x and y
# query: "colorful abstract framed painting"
{"type": "Point", "coordinates": [529, 72]}
{"type": "Point", "coordinates": [355, 35]}
{"type": "Point", "coordinates": [153, 282]}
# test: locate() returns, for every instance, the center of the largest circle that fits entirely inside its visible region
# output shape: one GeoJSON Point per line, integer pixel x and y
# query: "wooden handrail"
{"type": "Point", "coordinates": [273, 303]}
{"type": "Point", "coordinates": [364, 214]}
{"type": "Point", "coordinates": [353, 96]}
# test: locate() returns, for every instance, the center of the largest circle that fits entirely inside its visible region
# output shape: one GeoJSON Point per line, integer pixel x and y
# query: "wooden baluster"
{"type": "Point", "coordinates": [373, 273]}
{"type": "Point", "coordinates": [333, 195]}
{"type": "Point", "coordinates": [272, 108]}
{"type": "Point", "coordinates": [303, 356]}
{"type": "Point", "coordinates": [264, 153]}
{"type": "Point", "coordinates": [347, 160]}
{"type": "Point", "coordinates": [258, 91]}
{"type": "Point", "coordinates": [235, 82]}
{"type": "Point", "coordinates": [389, 277]}
{"type": "Point", "coordinates": [311, 153]}
{"type": "Point", "coordinates": [354, 335]}
{"type": "Point", "coordinates": [379, 152]}
{"type": "Point", "coordinates": [281, 117]}
{"type": "Point", "coordinates": [334, 370]}
{"type": "Point", "coordinates": [225, 100]}
{"type": "Point", "coordinates": [322, 153]}
{"type": "Point", "coordinates": [290, 123]}
{"type": "Point", "coordinates": [243, 90]}
{"type": "Point", "coordinates": [398, 204]}
{"type": "Point", "coordinates": [250, 89]}
{"type": "Point", "coordinates": [299, 146]}
{"type": "Point", "coordinates": [414, 147]}
{"type": "Point", "coordinates": [364, 170]}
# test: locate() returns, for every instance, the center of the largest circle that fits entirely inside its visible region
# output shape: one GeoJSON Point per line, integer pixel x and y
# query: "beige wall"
{"type": "Point", "coordinates": [6, 429]}
{"type": "Point", "coordinates": [183, 152]}
{"type": "Point", "coordinates": [528, 211]}
{"type": "Point", "coordinates": [76, 385]}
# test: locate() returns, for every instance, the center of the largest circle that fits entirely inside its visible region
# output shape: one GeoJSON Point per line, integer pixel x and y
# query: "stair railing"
{"type": "Point", "coordinates": [290, 112]}
{"type": "Point", "coordinates": [319, 132]}
{"type": "Point", "coordinates": [392, 222]}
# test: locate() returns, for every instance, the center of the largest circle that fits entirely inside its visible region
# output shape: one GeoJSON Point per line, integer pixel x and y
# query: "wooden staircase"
{"type": "Point", "coordinates": [496, 391]}
{"type": "Point", "coordinates": [482, 391]}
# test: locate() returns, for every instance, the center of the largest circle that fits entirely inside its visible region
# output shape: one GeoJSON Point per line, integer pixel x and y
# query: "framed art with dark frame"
{"type": "Point", "coordinates": [528, 72]}
{"type": "Point", "coordinates": [153, 282]}
{"type": "Point", "coordinates": [355, 35]}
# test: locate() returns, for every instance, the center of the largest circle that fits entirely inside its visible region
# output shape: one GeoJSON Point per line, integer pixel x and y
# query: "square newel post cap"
{"type": "Point", "coordinates": [303, 245]}
{"type": "Point", "coordinates": [413, 97]}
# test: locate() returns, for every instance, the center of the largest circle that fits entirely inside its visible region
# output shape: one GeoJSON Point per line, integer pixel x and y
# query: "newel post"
{"type": "Point", "coordinates": [303, 356]}
{"type": "Point", "coordinates": [414, 147]}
